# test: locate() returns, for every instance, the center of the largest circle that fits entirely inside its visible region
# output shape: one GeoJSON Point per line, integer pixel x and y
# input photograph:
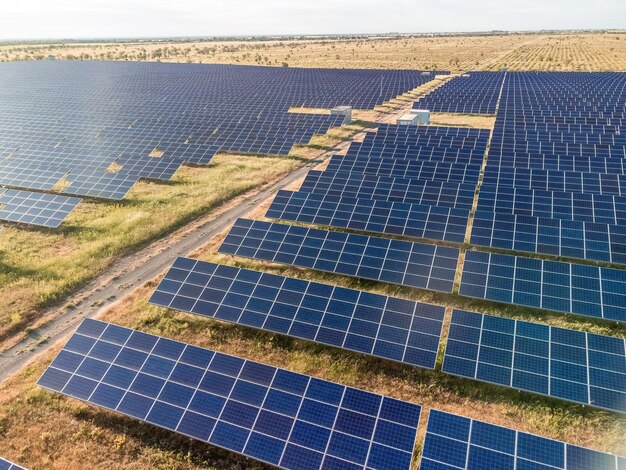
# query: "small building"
{"type": "Point", "coordinates": [407, 120]}
{"type": "Point", "coordinates": [345, 111]}
{"type": "Point", "coordinates": [423, 116]}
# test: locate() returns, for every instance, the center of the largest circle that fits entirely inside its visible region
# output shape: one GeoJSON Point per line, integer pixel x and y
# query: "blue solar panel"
{"type": "Point", "coordinates": [30, 208]}
{"type": "Point", "coordinates": [387, 327]}
{"type": "Point", "coordinates": [6, 465]}
{"type": "Point", "coordinates": [455, 442]}
{"type": "Point", "coordinates": [411, 169]}
{"type": "Point", "coordinates": [571, 239]}
{"type": "Point", "coordinates": [384, 188]}
{"type": "Point", "coordinates": [380, 259]}
{"type": "Point", "coordinates": [271, 415]}
{"type": "Point", "coordinates": [595, 208]}
{"type": "Point", "coordinates": [564, 287]}
{"type": "Point", "coordinates": [395, 218]}
{"type": "Point", "coordinates": [580, 367]}
{"type": "Point", "coordinates": [555, 180]}
{"type": "Point", "coordinates": [470, 93]}
{"type": "Point", "coordinates": [69, 122]}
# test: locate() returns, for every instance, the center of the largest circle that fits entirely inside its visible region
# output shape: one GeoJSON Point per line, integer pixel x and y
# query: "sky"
{"type": "Point", "coordinates": [73, 19]}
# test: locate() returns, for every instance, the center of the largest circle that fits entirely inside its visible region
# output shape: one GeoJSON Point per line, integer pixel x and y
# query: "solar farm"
{"type": "Point", "coordinates": [422, 296]}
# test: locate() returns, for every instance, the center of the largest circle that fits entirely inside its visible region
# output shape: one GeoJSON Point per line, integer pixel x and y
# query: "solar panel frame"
{"type": "Point", "coordinates": [370, 215]}
{"type": "Point", "coordinates": [455, 442]}
{"type": "Point", "coordinates": [579, 367]}
{"type": "Point", "coordinates": [286, 419]}
{"type": "Point", "coordinates": [579, 289]}
{"type": "Point", "coordinates": [385, 327]}
{"type": "Point", "coordinates": [395, 261]}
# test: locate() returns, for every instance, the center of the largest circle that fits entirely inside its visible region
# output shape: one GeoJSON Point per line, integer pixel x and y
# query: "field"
{"type": "Point", "coordinates": [571, 52]}
{"type": "Point", "coordinates": [44, 430]}
{"type": "Point", "coordinates": [40, 268]}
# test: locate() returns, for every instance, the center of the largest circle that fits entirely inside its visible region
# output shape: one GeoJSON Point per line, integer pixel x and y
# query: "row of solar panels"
{"type": "Point", "coordinates": [66, 124]}
{"type": "Point", "coordinates": [289, 420]}
{"type": "Point", "coordinates": [583, 368]}
{"type": "Point", "coordinates": [470, 93]}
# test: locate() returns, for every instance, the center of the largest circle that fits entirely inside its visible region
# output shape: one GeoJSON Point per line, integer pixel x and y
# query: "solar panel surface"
{"type": "Point", "coordinates": [380, 259]}
{"type": "Point", "coordinates": [553, 285]}
{"type": "Point", "coordinates": [40, 209]}
{"type": "Point", "coordinates": [394, 218]}
{"type": "Point", "coordinates": [387, 327]}
{"type": "Point", "coordinates": [455, 442]}
{"type": "Point", "coordinates": [286, 419]}
{"type": "Point", "coordinates": [6, 465]}
{"type": "Point", "coordinates": [580, 367]}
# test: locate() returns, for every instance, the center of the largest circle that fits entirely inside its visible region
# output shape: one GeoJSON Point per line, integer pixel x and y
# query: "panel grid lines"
{"type": "Point", "coordinates": [455, 442]}
{"type": "Point", "coordinates": [268, 414]}
{"type": "Point", "coordinates": [386, 327]}
{"type": "Point", "coordinates": [580, 367]}
{"type": "Point", "coordinates": [396, 261]}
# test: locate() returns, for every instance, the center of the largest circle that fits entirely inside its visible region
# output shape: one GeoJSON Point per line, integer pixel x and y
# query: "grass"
{"type": "Point", "coordinates": [40, 267]}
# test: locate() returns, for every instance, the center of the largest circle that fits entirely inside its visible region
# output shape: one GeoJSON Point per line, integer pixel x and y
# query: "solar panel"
{"type": "Point", "coordinates": [6, 465]}
{"type": "Point", "coordinates": [411, 169]}
{"type": "Point", "coordinates": [395, 218]}
{"type": "Point", "coordinates": [66, 121]}
{"type": "Point", "coordinates": [356, 185]}
{"type": "Point", "coordinates": [564, 287]}
{"type": "Point", "coordinates": [456, 442]}
{"type": "Point", "coordinates": [595, 208]}
{"type": "Point", "coordinates": [286, 419]}
{"type": "Point", "coordinates": [30, 208]}
{"type": "Point", "coordinates": [580, 367]}
{"type": "Point", "coordinates": [554, 180]}
{"type": "Point", "coordinates": [380, 259]}
{"type": "Point", "coordinates": [567, 238]}
{"type": "Point", "coordinates": [470, 93]}
{"type": "Point", "coordinates": [387, 327]}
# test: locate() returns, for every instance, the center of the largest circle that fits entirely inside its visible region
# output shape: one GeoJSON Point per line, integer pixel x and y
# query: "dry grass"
{"type": "Point", "coordinates": [599, 51]}
{"type": "Point", "coordinates": [38, 267]}
{"type": "Point", "coordinates": [585, 53]}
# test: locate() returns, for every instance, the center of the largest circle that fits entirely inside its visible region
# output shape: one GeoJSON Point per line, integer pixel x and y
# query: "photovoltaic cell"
{"type": "Point", "coordinates": [595, 208]}
{"type": "Point", "coordinates": [395, 218]}
{"type": "Point", "coordinates": [384, 188]}
{"type": "Point", "coordinates": [564, 287]}
{"type": "Point", "coordinates": [30, 208]}
{"type": "Point", "coordinates": [454, 442]}
{"type": "Point", "coordinates": [271, 415]}
{"type": "Point", "coordinates": [580, 367]}
{"type": "Point", "coordinates": [387, 327]}
{"type": "Point", "coordinates": [567, 238]}
{"type": "Point", "coordinates": [380, 259]}
{"type": "Point", "coordinates": [410, 169]}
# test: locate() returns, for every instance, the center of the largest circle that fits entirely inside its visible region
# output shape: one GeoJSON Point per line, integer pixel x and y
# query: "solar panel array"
{"type": "Point", "coordinates": [370, 215]}
{"type": "Point", "coordinates": [387, 327]}
{"type": "Point", "coordinates": [454, 442]}
{"type": "Point", "coordinates": [26, 207]}
{"type": "Point", "coordinates": [553, 285]}
{"type": "Point", "coordinates": [6, 465]}
{"type": "Point", "coordinates": [556, 167]}
{"type": "Point", "coordinates": [571, 239]}
{"type": "Point", "coordinates": [95, 128]}
{"type": "Point", "coordinates": [580, 367]}
{"type": "Point", "coordinates": [286, 419]}
{"type": "Point", "coordinates": [470, 93]}
{"type": "Point", "coordinates": [379, 259]}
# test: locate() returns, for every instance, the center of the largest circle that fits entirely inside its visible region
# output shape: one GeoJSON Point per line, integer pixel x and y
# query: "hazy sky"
{"type": "Point", "coordinates": [23, 19]}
